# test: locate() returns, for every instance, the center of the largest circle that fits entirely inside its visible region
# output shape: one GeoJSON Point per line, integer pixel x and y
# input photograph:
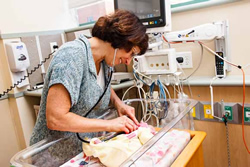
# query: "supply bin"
{"type": "Point", "coordinates": [177, 117]}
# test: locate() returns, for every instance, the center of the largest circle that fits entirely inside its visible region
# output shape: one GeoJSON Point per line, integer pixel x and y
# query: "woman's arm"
{"type": "Point", "coordinates": [122, 108]}
{"type": "Point", "coordinates": [59, 118]}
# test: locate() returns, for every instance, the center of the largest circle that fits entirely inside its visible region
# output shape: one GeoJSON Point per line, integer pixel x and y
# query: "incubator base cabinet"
{"type": "Point", "coordinates": [192, 155]}
{"type": "Point", "coordinates": [178, 119]}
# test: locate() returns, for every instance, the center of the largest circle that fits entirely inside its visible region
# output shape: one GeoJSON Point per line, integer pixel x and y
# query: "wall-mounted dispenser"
{"type": "Point", "coordinates": [17, 56]}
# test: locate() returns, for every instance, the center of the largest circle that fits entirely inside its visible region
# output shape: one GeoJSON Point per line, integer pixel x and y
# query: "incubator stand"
{"type": "Point", "coordinates": [183, 120]}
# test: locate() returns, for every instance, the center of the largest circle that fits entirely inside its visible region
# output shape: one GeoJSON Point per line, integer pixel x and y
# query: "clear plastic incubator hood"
{"type": "Point", "coordinates": [169, 117]}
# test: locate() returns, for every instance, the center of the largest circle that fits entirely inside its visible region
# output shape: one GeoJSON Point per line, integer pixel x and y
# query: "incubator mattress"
{"type": "Point", "coordinates": [115, 151]}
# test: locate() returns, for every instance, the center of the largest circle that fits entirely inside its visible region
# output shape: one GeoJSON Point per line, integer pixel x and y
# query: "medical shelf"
{"type": "Point", "coordinates": [228, 81]}
{"type": "Point", "coordinates": [38, 92]}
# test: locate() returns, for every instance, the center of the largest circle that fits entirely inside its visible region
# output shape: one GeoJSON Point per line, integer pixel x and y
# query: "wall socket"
{"type": "Point", "coordinates": [187, 59]}
{"type": "Point", "coordinates": [51, 46]}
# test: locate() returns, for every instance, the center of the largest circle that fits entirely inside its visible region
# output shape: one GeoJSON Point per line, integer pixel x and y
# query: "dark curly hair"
{"type": "Point", "coordinates": [123, 30]}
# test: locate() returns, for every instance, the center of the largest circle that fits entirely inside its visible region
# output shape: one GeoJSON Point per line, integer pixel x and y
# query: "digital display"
{"type": "Point", "coordinates": [150, 12]}
{"type": "Point", "coordinates": [144, 9]}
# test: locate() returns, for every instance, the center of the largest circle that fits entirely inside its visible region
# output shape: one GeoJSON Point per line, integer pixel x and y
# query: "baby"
{"type": "Point", "coordinates": [115, 151]}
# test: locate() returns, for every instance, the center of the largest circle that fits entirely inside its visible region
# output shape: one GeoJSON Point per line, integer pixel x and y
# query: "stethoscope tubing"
{"type": "Point", "coordinates": [100, 98]}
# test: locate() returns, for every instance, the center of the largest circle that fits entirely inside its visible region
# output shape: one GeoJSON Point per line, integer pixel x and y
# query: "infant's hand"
{"type": "Point", "coordinates": [122, 123]}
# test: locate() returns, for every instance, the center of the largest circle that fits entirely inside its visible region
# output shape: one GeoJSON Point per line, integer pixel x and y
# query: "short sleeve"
{"type": "Point", "coordinates": [67, 68]}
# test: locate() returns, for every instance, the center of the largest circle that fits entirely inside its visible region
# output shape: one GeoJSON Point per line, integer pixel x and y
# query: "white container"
{"type": "Point", "coordinates": [17, 56]}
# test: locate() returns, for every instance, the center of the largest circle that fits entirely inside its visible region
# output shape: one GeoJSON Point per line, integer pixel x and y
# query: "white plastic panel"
{"type": "Point", "coordinates": [157, 62]}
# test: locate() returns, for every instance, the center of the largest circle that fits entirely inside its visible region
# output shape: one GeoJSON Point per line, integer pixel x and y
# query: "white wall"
{"type": "Point", "coordinates": [34, 15]}
{"type": "Point", "coordinates": [237, 14]}
{"type": "Point", "coordinates": [17, 17]}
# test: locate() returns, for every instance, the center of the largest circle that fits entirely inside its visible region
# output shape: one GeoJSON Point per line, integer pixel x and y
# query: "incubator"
{"type": "Point", "coordinates": [176, 115]}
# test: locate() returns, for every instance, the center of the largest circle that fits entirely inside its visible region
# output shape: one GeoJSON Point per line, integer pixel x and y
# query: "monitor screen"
{"type": "Point", "coordinates": [150, 12]}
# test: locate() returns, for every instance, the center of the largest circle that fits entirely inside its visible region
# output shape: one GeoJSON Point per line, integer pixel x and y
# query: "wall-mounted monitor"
{"type": "Point", "coordinates": [154, 14]}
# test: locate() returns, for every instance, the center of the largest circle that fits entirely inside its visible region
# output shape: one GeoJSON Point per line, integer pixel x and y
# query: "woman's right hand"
{"type": "Point", "coordinates": [122, 123]}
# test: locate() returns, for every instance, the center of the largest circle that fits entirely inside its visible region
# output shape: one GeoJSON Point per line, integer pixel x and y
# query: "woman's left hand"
{"type": "Point", "coordinates": [124, 109]}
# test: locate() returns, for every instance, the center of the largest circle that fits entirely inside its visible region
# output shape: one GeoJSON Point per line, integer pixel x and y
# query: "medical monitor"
{"type": "Point", "coordinates": [154, 14]}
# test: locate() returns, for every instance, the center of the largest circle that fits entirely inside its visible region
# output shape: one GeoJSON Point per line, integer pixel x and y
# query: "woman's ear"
{"type": "Point", "coordinates": [135, 50]}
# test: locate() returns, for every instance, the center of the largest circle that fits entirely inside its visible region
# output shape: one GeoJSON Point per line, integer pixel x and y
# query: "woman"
{"type": "Point", "coordinates": [71, 85]}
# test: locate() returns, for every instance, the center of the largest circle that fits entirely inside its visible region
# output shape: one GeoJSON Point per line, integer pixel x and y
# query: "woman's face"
{"type": "Point", "coordinates": [123, 57]}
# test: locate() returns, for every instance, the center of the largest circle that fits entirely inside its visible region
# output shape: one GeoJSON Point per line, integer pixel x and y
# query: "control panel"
{"type": "Point", "coordinates": [154, 23]}
{"type": "Point", "coordinates": [219, 66]}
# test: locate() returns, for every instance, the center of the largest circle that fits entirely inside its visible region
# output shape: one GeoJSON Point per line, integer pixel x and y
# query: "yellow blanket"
{"type": "Point", "coordinates": [115, 151]}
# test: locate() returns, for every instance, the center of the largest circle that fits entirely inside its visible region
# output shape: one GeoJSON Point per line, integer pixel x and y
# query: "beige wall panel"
{"type": "Point", "coordinates": [226, 93]}
{"type": "Point", "coordinates": [27, 115]}
{"type": "Point", "coordinates": [45, 41]}
{"type": "Point", "coordinates": [31, 45]}
{"type": "Point", "coordinates": [8, 142]}
{"type": "Point", "coordinates": [239, 154]}
{"type": "Point", "coordinates": [2, 66]}
{"type": "Point", "coordinates": [121, 68]}
{"type": "Point", "coordinates": [215, 146]}
{"type": "Point", "coordinates": [70, 36]}
{"type": "Point", "coordinates": [17, 122]}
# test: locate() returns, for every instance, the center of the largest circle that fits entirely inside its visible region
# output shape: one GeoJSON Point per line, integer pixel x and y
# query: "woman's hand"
{"type": "Point", "coordinates": [122, 123]}
{"type": "Point", "coordinates": [124, 109]}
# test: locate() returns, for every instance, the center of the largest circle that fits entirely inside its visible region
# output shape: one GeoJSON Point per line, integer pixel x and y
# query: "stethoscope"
{"type": "Point", "coordinates": [111, 70]}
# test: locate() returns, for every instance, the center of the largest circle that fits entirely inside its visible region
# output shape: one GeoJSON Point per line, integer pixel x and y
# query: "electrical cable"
{"type": "Point", "coordinates": [179, 83]}
{"type": "Point", "coordinates": [244, 92]}
{"type": "Point", "coordinates": [156, 118]}
{"type": "Point", "coordinates": [189, 87]}
{"type": "Point", "coordinates": [142, 105]}
{"type": "Point", "coordinates": [212, 98]}
{"type": "Point", "coordinates": [203, 46]}
{"type": "Point", "coordinates": [217, 55]}
{"type": "Point", "coordinates": [243, 104]}
{"type": "Point", "coordinates": [138, 78]}
{"type": "Point", "coordinates": [165, 41]}
{"type": "Point", "coordinates": [180, 87]}
{"type": "Point", "coordinates": [127, 91]}
{"type": "Point", "coordinates": [135, 72]}
{"type": "Point", "coordinates": [175, 90]}
{"type": "Point", "coordinates": [29, 73]}
{"type": "Point", "coordinates": [151, 88]}
{"type": "Point", "coordinates": [202, 51]}
{"type": "Point", "coordinates": [141, 74]}
{"type": "Point", "coordinates": [145, 117]}
{"type": "Point", "coordinates": [161, 86]}
{"type": "Point", "coordinates": [166, 91]}
{"type": "Point", "coordinates": [228, 148]}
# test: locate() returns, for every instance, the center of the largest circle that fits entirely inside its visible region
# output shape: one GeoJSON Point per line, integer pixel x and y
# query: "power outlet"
{"type": "Point", "coordinates": [187, 59]}
{"type": "Point", "coordinates": [51, 46]}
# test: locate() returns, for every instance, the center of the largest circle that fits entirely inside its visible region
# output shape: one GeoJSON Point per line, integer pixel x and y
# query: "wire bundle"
{"type": "Point", "coordinates": [232, 64]}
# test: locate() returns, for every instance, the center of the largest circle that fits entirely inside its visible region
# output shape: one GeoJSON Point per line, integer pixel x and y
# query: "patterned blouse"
{"type": "Point", "coordinates": [72, 66]}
